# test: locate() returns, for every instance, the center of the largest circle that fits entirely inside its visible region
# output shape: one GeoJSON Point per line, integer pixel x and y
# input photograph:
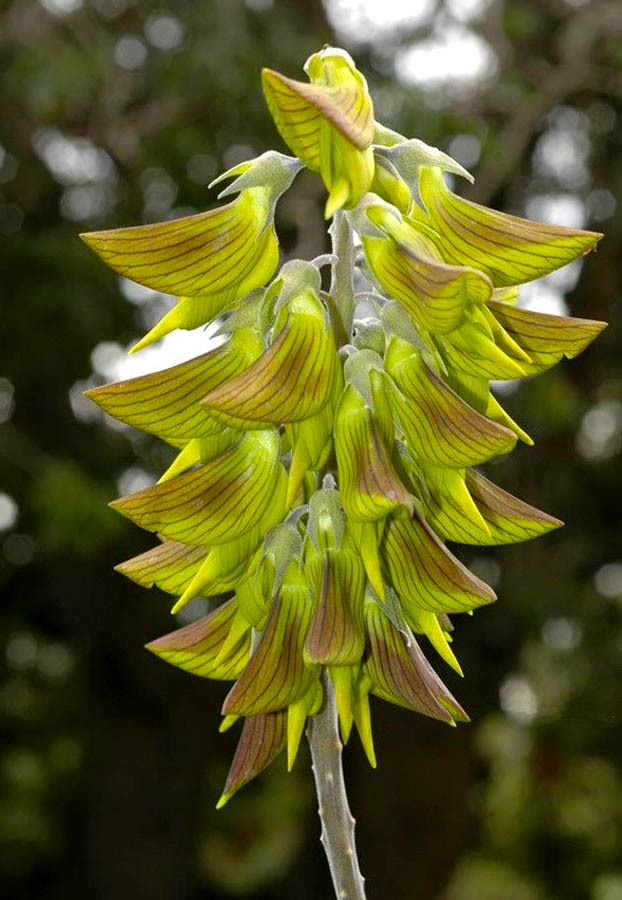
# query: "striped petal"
{"type": "Point", "coordinates": [439, 426]}
{"type": "Point", "coordinates": [449, 508]}
{"type": "Point", "coordinates": [425, 574]}
{"type": "Point", "coordinates": [196, 648]}
{"type": "Point", "coordinates": [216, 502]}
{"type": "Point", "coordinates": [292, 380]}
{"type": "Point", "coordinates": [370, 487]}
{"type": "Point", "coordinates": [327, 123]}
{"type": "Point", "coordinates": [509, 519]}
{"type": "Point", "coordinates": [336, 636]}
{"type": "Point", "coordinates": [389, 185]}
{"type": "Point", "coordinates": [337, 94]}
{"type": "Point", "coordinates": [545, 337]}
{"type": "Point", "coordinates": [434, 293]}
{"type": "Point", "coordinates": [400, 673]}
{"type": "Point", "coordinates": [262, 739]}
{"type": "Point", "coordinates": [510, 250]}
{"type": "Point", "coordinates": [166, 403]}
{"type": "Point", "coordinates": [276, 674]}
{"type": "Point", "coordinates": [171, 566]}
{"type": "Point", "coordinates": [471, 349]}
{"type": "Point", "coordinates": [213, 253]}
{"type": "Point", "coordinates": [228, 564]}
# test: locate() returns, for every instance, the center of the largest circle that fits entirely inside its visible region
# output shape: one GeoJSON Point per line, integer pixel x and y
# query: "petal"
{"type": "Point", "coordinates": [298, 110]}
{"type": "Point", "coordinates": [193, 311]}
{"type": "Point", "coordinates": [545, 337]}
{"type": "Point", "coordinates": [401, 674]}
{"type": "Point", "coordinates": [425, 574]}
{"type": "Point", "coordinates": [510, 250]}
{"type": "Point", "coordinates": [212, 252]}
{"type": "Point", "coordinates": [167, 403]}
{"type": "Point", "coordinates": [336, 635]}
{"type": "Point", "coordinates": [370, 487]}
{"type": "Point", "coordinates": [262, 739]}
{"type": "Point", "coordinates": [216, 502]}
{"type": "Point", "coordinates": [169, 566]}
{"type": "Point", "coordinates": [276, 674]}
{"type": "Point", "coordinates": [471, 350]}
{"type": "Point", "coordinates": [434, 293]}
{"type": "Point", "coordinates": [509, 519]}
{"type": "Point", "coordinates": [228, 564]}
{"type": "Point", "coordinates": [439, 426]}
{"type": "Point", "coordinates": [449, 508]}
{"type": "Point", "coordinates": [290, 381]}
{"type": "Point", "coordinates": [196, 647]}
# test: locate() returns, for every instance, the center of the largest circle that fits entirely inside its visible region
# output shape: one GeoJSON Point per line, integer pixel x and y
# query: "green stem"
{"type": "Point", "coordinates": [342, 285]}
{"type": "Point", "coordinates": [337, 821]}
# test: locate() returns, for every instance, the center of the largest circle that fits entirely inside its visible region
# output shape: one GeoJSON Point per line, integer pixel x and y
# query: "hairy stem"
{"type": "Point", "coordinates": [337, 821]}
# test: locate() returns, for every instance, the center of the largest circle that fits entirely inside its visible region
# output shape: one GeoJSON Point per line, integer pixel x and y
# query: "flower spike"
{"type": "Point", "coordinates": [326, 443]}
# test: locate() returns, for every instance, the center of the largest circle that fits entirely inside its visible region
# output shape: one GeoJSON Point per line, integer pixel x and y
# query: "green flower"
{"type": "Point", "coordinates": [210, 260]}
{"type": "Point", "coordinates": [319, 475]}
{"type": "Point", "coordinates": [328, 124]}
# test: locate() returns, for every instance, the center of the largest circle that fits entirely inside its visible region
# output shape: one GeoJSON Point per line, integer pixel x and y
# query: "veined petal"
{"type": "Point", "coordinates": [388, 184]}
{"type": "Point", "coordinates": [299, 108]}
{"type": "Point", "coordinates": [262, 739]}
{"type": "Point", "coordinates": [336, 636]}
{"type": "Point", "coordinates": [546, 338]}
{"type": "Point", "coordinates": [297, 714]}
{"type": "Point", "coordinates": [193, 311]}
{"type": "Point", "coordinates": [434, 293]}
{"type": "Point", "coordinates": [211, 253]}
{"type": "Point", "coordinates": [439, 426]}
{"type": "Point", "coordinates": [370, 487]}
{"type": "Point", "coordinates": [170, 566]}
{"type": "Point", "coordinates": [510, 250]}
{"type": "Point", "coordinates": [228, 564]}
{"type": "Point", "coordinates": [196, 647]}
{"type": "Point", "coordinates": [449, 508]}
{"type": "Point", "coordinates": [470, 350]}
{"type": "Point", "coordinates": [276, 675]}
{"type": "Point", "coordinates": [166, 403]}
{"type": "Point", "coordinates": [292, 379]}
{"type": "Point", "coordinates": [424, 573]}
{"type": "Point", "coordinates": [216, 502]}
{"type": "Point", "coordinates": [509, 519]}
{"type": "Point", "coordinates": [428, 623]}
{"type": "Point", "coordinates": [401, 674]}
{"type": "Point", "coordinates": [327, 123]}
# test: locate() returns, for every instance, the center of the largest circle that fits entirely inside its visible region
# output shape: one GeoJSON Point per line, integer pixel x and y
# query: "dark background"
{"type": "Point", "coordinates": [116, 112]}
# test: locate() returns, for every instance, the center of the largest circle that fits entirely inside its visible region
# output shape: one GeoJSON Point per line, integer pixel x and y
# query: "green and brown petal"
{"type": "Point", "coordinates": [328, 123]}
{"type": "Point", "coordinates": [508, 249]}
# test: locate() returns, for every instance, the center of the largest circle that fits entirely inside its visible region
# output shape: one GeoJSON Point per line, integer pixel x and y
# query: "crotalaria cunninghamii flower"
{"type": "Point", "coordinates": [321, 471]}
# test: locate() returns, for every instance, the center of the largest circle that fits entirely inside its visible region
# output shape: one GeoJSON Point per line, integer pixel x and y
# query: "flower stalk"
{"type": "Point", "coordinates": [333, 809]}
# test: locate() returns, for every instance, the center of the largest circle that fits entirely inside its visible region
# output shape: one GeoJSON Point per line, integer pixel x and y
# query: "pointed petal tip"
{"type": "Point", "coordinates": [223, 800]}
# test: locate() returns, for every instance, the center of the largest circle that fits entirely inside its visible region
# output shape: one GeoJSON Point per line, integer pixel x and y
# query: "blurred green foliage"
{"type": "Point", "coordinates": [117, 112]}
